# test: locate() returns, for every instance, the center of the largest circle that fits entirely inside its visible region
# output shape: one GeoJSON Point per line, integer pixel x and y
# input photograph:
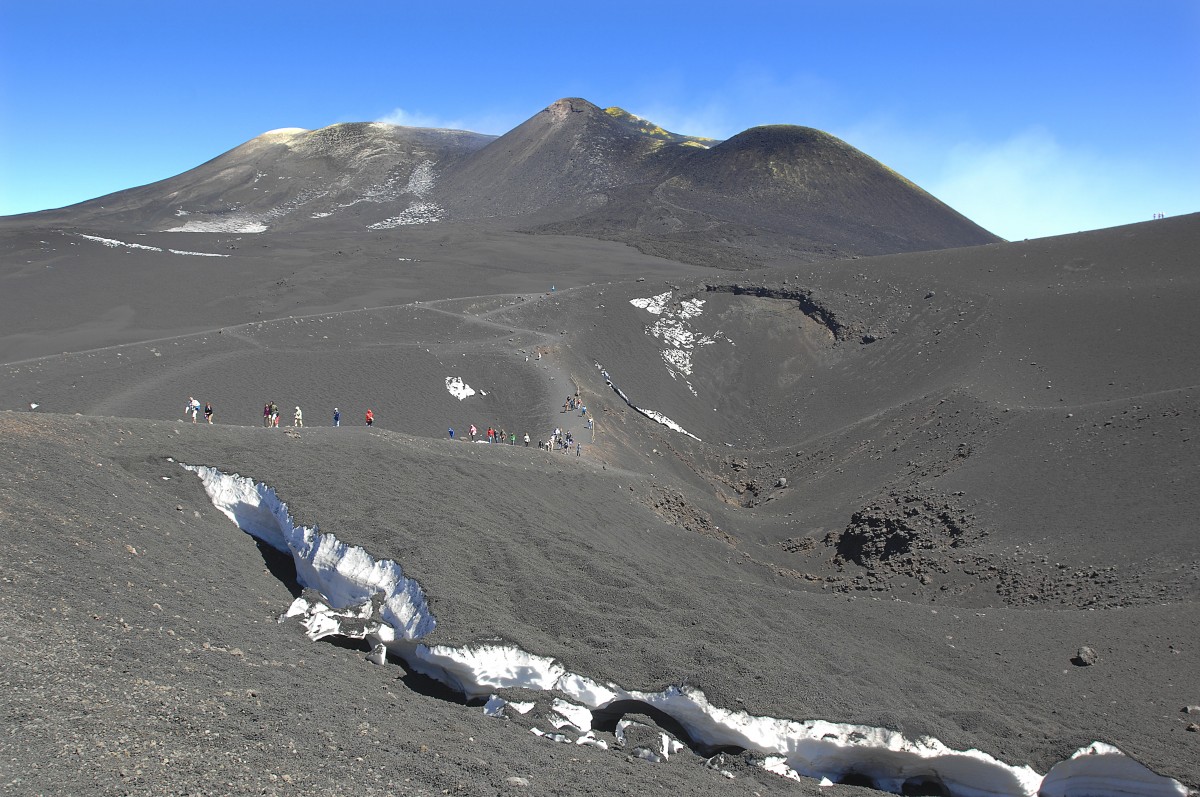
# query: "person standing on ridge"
{"type": "Point", "coordinates": [451, 431]}
{"type": "Point", "coordinates": [370, 418]}
{"type": "Point", "coordinates": [297, 418]}
{"type": "Point", "coordinates": [267, 414]}
{"type": "Point", "coordinates": [208, 412]}
{"type": "Point", "coordinates": [274, 415]}
{"type": "Point", "coordinates": [192, 408]}
{"type": "Point", "coordinates": [527, 439]}
{"type": "Point", "coordinates": [337, 417]}
{"type": "Point", "coordinates": [473, 432]}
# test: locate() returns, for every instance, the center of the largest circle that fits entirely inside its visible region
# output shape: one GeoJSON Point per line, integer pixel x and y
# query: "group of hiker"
{"type": "Point", "coordinates": [492, 435]}
{"type": "Point", "coordinates": [271, 416]}
{"type": "Point", "coordinates": [574, 403]}
{"type": "Point", "coordinates": [558, 440]}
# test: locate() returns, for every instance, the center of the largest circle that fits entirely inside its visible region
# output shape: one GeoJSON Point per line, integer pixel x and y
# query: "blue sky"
{"type": "Point", "coordinates": [1032, 118]}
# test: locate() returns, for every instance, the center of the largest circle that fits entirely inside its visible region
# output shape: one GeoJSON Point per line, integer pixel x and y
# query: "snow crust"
{"type": "Point", "coordinates": [237, 220]}
{"type": "Point", "coordinates": [420, 184]}
{"type": "Point", "coordinates": [1103, 770]}
{"type": "Point", "coordinates": [416, 213]}
{"type": "Point", "coordinates": [284, 132]}
{"type": "Point", "coordinates": [458, 388]}
{"type": "Point", "coordinates": [233, 223]}
{"type": "Point", "coordinates": [371, 599]}
{"type": "Point", "coordinates": [673, 328]}
{"type": "Point", "coordinates": [113, 243]}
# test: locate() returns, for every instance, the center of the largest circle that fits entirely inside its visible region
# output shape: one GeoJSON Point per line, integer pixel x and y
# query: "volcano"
{"type": "Point", "coordinates": [856, 493]}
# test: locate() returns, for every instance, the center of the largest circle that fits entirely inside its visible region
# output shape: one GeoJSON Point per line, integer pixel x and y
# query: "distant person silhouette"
{"type": "Point", "coordinates": [370, 418]}
{"type": "Point", "coordinates": [337, 417]}
{"type": "Point", "coordinates": [297, 418]}
{"type": "Point", "coordinates": [208, 412]}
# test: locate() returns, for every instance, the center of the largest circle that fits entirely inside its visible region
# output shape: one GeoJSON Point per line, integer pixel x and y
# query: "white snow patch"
{"type": "Point", "coordinates": [561, 738]}
{"type": "Point", "coordinates": [564, 712]}
{"type": "Point", "coordinates": [653, 304]}
{"type": "Point", "coordinates": [496, 705]}
{"type": "Point", "coordinates": [196, 254]}
{"type": "Point", "coordinates": [416, 213]}
{"type": "Point", "coordinates": [1101, 770]}
{"type": "Point", "coordinates": [673, 328]}
{"type": "Point", "coordinates": [112, 243]}
{"type": "Point", "coordinates": [233, 223]}
{"type": "Point", "coordinates": [458, 388]}
{"type": "Point", "coordinates": [589, 739]}
{"type": "Point", "coordinates": [778, 765]}
{"type": "Point", "coordinates": [236, 220]}
{"type": "Point", "coordinates": [420, 182]}
{"type": "Point", "coordinates": [654, 415]}
{"type": "Point", "coordinates": [284, 132]}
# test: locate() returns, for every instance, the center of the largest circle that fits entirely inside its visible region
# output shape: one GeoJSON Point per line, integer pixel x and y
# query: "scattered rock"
{"type": "Point", "coordinates": [1193, 710]}
{"type": "Point", "coordinates": [798, 544]}
{"type": "Point", "coordinates": [516, 782]}
{"type": "Point", "coordinates": [1084, 657]}
{"type": "Point", "coordinates": [782, 482]}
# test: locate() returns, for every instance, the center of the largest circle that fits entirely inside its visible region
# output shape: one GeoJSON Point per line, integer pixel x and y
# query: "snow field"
{"type": "Point", "coordinates": [674, 329]}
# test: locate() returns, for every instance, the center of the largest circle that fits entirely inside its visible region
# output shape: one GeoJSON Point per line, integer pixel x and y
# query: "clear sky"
{"type": "Point", "coordinates": [1032, 118]}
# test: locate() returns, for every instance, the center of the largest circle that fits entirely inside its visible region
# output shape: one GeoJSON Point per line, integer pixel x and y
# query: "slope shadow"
{"type": "Point", "coordinates": [281, 565]}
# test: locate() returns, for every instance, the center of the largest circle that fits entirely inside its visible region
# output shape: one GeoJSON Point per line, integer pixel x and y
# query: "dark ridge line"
{"type": "Point", "coordinates": [803, 297]}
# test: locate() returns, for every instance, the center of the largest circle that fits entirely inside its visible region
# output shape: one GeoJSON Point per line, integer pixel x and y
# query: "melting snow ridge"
{"type": "Point", "coordinates": [112, 243]}
{"type": "Point", "coordinates": [653, 415]}
{"type": "Point", "coordinates": [372, 600]}
{"type": "Point", "coordinates": [347, 576]}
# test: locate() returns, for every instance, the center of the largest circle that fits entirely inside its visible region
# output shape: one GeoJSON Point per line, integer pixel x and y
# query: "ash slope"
{"type": "Point", "coordinates": [946, 533]}
{"type": "Point", "coordinates": [182, 661]}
